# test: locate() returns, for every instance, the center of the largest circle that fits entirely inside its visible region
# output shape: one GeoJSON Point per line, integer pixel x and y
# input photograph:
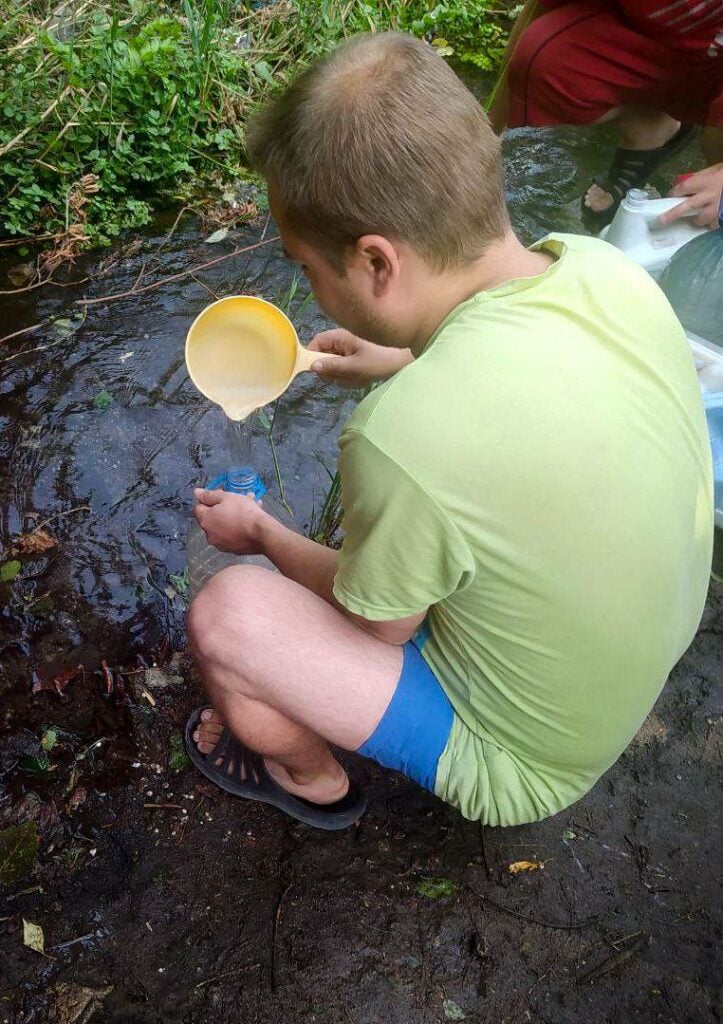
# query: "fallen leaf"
{"type": "Point", "coordinates": [434, 888]}
{"type": "Point", "coordinates": [64, 327]}
{"type": "Point", "coordinates": [217, 236]}
{"type": "Point", "coordinates": [21, 274]}
{"type": "Point", "coordinates": [76, 1004]}
{"type": "Point", "coordinates": [9, 570]}
{"type": "Point", "coordinates": [18, 850]}
{"type": "Point", "coordinates": [34, 543]}
{"type": "Point", "coordinates": [50, 738]}
{"type": "Point", "coordinates": [569, 834]}
{"type": "Point", "coordinates": [33, 936]}
{"type": "Point", "coordinates": [103, 399]}
{"type": "Point", "coordinates": [58, 683]}
{"type": "Point", "coordinates": [77, 799]}
{"type": "Point", "coordinates": [453, 1011]}
{"type": "Point", "coordinates": [525, 865]}
{"type": "Point", "coordinates": [179, 581]}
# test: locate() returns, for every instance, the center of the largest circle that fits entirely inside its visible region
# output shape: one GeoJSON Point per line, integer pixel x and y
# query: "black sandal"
{"type": "Point", "coordinates": [240, 771]}
{"type": "Point", "coordinates": [631, 168]}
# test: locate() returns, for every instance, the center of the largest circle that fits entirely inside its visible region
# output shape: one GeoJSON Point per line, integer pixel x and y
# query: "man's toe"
{"type": "Point", "coordinates": [207, 735]}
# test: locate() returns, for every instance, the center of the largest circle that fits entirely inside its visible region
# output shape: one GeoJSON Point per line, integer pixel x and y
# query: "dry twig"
{"type": "Point", "coordinates": [574, 926]}
{"type": "Point", "coordinates": [175, 277]}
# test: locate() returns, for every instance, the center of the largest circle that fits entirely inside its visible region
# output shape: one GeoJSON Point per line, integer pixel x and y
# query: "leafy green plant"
{"type": "Point", "coordinates": [436, 888]}
{"type": "Point", "coordinates": [109, 108]}
{"type": "Point", "coordinates": [463, 29]}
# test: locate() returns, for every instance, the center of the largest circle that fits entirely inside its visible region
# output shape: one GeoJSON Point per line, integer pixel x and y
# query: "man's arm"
{"type": "Point", "coordinates": [233, 522]}
{"type": "Point", "coordinates": [314, 566]}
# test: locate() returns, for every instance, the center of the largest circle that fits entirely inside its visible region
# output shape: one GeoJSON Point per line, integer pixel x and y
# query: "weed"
{"type": "Point", "coordinates": [325, 525]}
{"type": "Point", "coordinates": [73, 858]}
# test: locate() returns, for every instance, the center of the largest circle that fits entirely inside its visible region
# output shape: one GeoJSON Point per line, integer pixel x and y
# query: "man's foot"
{"type": "Point", "coordinates": [597, 199]}
{"type": "Point", "coordinates": [234, 768]}
{"type": "Point", "coordinates": [324, 788]}
{"type": "Point", "coordinates": [630, 169]}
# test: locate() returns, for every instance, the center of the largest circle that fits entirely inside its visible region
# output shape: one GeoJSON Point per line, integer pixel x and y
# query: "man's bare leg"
{"type": "Point", "coordinates": [288, 674]}
{"type": "Point", "coordinates": [638, 128]}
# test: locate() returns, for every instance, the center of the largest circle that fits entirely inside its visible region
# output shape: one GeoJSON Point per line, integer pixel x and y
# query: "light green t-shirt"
{"type": "Point", "coordinates": [540, 478]}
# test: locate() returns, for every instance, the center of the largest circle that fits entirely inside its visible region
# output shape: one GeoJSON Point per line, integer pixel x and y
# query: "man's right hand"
{"type": "Point", "coordinates": [363, 362]}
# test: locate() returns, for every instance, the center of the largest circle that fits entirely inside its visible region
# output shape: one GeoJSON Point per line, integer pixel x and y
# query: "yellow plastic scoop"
{"type": "Point", "coordinates": [242, 352]}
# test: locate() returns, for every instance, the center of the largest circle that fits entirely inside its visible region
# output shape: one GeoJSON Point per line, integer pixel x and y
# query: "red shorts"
{"type": "Point", "coordinates": [580, 59]}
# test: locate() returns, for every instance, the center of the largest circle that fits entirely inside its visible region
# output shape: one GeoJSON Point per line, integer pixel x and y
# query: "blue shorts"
{"type": "Point", "coordinates": [415, 728]}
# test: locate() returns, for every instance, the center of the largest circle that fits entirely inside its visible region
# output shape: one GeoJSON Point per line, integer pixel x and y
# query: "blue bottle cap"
{"type": "Point", "coordinates": [239, 480]}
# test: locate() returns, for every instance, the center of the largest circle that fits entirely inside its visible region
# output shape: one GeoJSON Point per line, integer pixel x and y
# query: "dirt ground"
{"type": "Point", "coordinates": [163, 900]}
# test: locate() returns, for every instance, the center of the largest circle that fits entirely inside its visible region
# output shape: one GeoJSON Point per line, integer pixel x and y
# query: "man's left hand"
{"type": "Point", "coordinates": [703, 192]}
{"type": "Point", "coordinates": [231, 522]}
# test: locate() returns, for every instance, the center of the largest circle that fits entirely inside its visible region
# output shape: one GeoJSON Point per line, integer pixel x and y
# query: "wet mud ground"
{"type": "Point", "coordinates": [161, 899]}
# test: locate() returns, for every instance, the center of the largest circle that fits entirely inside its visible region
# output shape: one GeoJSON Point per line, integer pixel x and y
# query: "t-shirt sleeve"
{"type": "Point", "coordinates": [401, 552]}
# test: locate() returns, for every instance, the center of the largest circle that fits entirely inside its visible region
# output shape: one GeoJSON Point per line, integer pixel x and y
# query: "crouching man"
{"type": "Point", "coordinates": [527, 494]}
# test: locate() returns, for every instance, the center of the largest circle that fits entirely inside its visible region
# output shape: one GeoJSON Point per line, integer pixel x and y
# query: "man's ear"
{"type": "Point", "coordinates": [379, 259]}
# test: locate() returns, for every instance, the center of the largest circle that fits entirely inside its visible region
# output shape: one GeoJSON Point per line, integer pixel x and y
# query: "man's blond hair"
{"type": "Point", "coordinates": [381, 137]}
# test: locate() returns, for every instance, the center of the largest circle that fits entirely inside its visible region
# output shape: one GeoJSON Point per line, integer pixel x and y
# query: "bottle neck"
{"type": "Point", "coordinates": [244, 480]}
{"type": "Point", "coordinates": [239, 480]}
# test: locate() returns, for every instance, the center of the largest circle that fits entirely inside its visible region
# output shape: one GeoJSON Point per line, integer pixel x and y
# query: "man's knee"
{"type": "Point", "coordinates": [227, 610]}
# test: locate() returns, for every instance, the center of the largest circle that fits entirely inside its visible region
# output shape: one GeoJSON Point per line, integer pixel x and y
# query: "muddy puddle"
{"type": "Point", "coordinates": [160, 900]}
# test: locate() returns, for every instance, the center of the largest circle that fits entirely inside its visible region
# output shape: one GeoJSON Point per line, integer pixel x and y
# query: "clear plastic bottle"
{"type": "Point", "coordinates": [693, 282]}
{"type": "Point", "coordinates": [203, 559]}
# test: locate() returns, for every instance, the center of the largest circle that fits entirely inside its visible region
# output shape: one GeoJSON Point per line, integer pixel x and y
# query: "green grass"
{"type": "Point", "coordinates": [111, 108]}
{"type": "Point", "coordinates": [326, 521]}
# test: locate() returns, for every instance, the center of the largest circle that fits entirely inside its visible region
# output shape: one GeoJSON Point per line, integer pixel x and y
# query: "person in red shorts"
{"type": "Point", "coordinates": [653, 68]}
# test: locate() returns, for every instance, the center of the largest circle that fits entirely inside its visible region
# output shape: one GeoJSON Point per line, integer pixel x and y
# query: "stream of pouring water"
{"type": "Point", "coordinates": [238, 440]}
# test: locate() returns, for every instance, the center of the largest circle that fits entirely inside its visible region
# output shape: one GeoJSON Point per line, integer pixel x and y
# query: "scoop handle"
{"type": "Point", "coordinates": [305, 358]}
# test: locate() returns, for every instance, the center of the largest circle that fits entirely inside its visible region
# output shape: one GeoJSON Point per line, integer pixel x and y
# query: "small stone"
{"type": "Point", "coordinates": [157, 678]}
